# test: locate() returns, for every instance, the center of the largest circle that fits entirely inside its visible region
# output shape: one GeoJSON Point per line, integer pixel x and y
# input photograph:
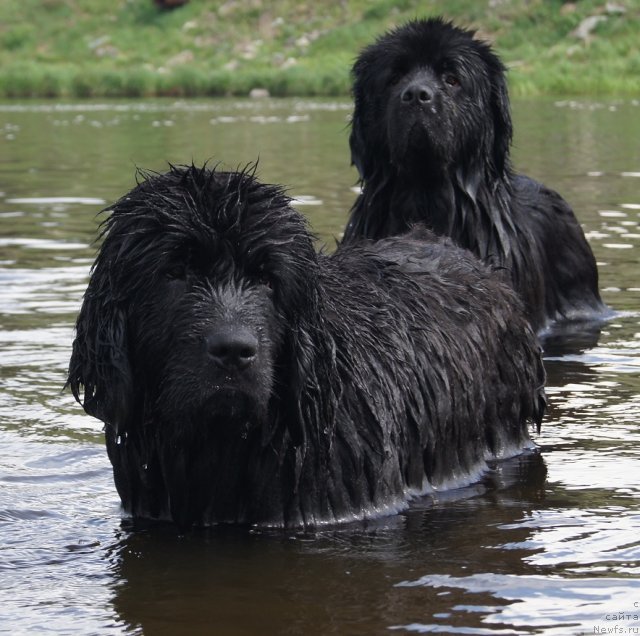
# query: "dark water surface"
{"type": "Point", "coordinates": [547, 543]}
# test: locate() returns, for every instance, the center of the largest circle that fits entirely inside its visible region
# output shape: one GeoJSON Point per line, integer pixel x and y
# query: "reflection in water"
{"type": "Point", "coordinates": [583, 605]}
{"type": "Point", "coordinates": [546, 543]}
{"type": "Point", "coordinates": [571, 338]}
{"type": "Point", "coordinates": [345, 580]}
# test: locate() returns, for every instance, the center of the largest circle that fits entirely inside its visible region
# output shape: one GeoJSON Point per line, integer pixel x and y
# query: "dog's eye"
{"type": "Point", "coordinates": [451, 79]}
{"type": "Point", "coordinates": [397, 72]}
{"type": "Point", "coordinates": [262, 277]}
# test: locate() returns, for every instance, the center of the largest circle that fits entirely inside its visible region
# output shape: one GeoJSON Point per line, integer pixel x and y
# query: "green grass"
{"type": "Point", "coordinates": [111, 48]}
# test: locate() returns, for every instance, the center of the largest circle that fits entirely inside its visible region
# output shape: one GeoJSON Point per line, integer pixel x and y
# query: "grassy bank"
{"type": "Point", "coordinates": [114, 48]}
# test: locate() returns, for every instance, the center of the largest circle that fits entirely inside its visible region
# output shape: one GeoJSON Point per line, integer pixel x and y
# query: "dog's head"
{"type": "Point", "coordinates": [195, 301]}
{"type": "Point", "coordinates": [429, 96]}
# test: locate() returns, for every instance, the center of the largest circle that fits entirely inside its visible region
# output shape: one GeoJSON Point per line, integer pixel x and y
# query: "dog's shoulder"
{"type": "Point", "coordinates": [422, 251]}
{"type": "Point", "coordinates": [419, 259]}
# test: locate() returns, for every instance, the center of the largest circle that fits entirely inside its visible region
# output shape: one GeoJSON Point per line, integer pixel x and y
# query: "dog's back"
{"type": "Point", "coordinates": [443, 325]}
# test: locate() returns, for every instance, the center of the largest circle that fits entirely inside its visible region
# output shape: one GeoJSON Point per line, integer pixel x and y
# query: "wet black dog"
{"type": "Point", "coordinates": [245, 378]}
{"type": "Point", "coordinates": [430, 137]}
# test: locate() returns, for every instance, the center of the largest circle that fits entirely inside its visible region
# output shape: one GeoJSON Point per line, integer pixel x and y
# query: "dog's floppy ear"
{"type": "Point", "coordinates": [307, 364]}
{"type": "Point", "coordinates": [501, 113]}
{"type": "Point", "coordinates": [99, 371]}
{"type": "Point", "coordinates": [100, 374]}
{"type": "Point", "coordinates": [357, 143]}
{"type": "Point", "coordinates": [310, 402]}
{"type": "Point", "coordinates": [364, 149]}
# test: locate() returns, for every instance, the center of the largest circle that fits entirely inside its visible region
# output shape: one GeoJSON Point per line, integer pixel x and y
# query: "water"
{"type": "Point", "coordinates": [546, 544]}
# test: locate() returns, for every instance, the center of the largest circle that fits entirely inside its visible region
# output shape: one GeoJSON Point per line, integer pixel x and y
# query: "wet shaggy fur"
{"type": "Point", "coordinates": [245, 378]}
{"type": "Point", "coordinates": [431, 134]}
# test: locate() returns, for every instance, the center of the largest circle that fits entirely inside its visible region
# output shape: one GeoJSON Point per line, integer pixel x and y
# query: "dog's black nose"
{"type": "Point", "coordinates": [417, 93]}
{"type": "Point", "coordinates": [232, 348]}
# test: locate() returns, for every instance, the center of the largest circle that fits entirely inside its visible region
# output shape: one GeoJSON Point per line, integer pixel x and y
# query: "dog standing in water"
{"type": "Point", "coordinates": [431, 134]}
{"type": "Point", "coordinates": [245, 378]}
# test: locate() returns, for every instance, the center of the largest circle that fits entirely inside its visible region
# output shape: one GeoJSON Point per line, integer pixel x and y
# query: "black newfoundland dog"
{"type": "Point", "coordinates": [430, 137]}
{"type": "Point", "coordinates": [244, 378]}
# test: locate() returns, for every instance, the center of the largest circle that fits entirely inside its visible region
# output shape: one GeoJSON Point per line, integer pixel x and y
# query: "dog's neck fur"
{"type": "Point", "coordinates": [478, 220]}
